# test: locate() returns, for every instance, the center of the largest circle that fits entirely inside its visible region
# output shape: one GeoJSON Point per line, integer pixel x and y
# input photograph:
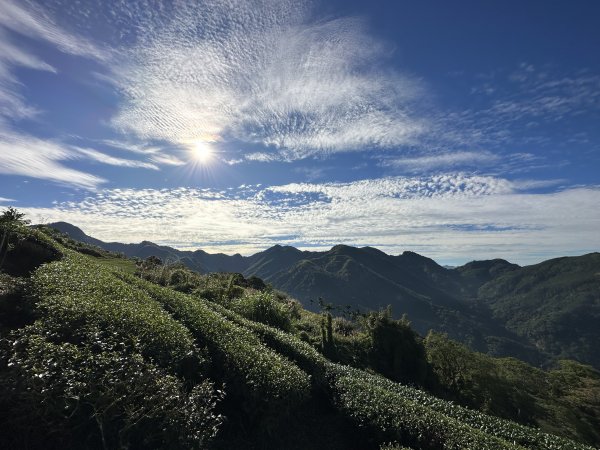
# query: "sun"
{"type": "Point", "coordinates": [202, 152]}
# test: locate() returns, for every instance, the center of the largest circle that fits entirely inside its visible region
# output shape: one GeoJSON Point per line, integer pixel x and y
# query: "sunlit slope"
{"type": "Point", "coordinates": [492, 306]}
{"type": "Point", "coordinates": [182, 363]}
{"type": "Point", "coordinates": [388, 410]}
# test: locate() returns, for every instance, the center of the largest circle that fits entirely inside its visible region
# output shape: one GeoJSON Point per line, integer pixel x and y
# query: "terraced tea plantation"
{"type": "Point", "coordinates": [93, 356]}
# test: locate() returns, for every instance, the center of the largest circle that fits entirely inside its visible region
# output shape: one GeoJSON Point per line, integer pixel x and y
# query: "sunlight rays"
{"type": "Point", "coordinates": [202, 152]}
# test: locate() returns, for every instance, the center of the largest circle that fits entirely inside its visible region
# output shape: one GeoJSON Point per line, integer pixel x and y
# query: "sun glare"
{"type": "Point", "coordinates": [202, 152]}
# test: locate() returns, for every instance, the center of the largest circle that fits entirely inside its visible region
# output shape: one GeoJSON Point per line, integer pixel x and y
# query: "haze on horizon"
{"type": "Point", "coordinates": [459, 131]}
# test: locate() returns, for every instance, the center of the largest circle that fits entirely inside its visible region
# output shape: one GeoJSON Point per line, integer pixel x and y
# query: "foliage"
{"type": "Point", "coordinates": [102, 366]}
{"type": "Point", "coordinates": [367, 399]}
{"type": "Point", "coordinates": [264, 308]}
{"type": "Point", "coordinates": [564, 400]}
{"type": "Point", "coordinates": [392, 446]}
{"type": "Point", "coordinates": [395, 350]}
{"type": "Point", "coordinates": [79, 298]}
{"type": "Point", "coordinates": [23, 249]}
{"type": "Point", "coordinates": [81, 247]}
{"type": "Point", "coordinates": [106, 359]}
{"type": "Point", "coordinates": [101, 396]}
{"type": "Point", "coordinates": [258, 372]}
{"type": "Point", "coordinates": [491, 306]}
{"type": "Point", "coordinates": [16, 309]}
{"type": "Point", "coordinates": [327, 345]}
{"type": "Point", "coordinates": [396, 417]}
{"type": "Point", "coordinates": [13, 217]}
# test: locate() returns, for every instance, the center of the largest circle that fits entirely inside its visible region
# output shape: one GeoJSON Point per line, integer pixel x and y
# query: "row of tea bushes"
{"type": "Point", "coordinates": [101, 366]}
{"type": "Point", "coordinates": [81, 301]}
{"type": "Point", "coordinates": [386, 410]}
{"type": "Point", "coordinates": [250, 366]}
{"type": "Point", "coordinates": [507, 432]}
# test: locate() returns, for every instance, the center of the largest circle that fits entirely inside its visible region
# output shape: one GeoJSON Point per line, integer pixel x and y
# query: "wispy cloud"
{"type": "Point", "coordinates": [103, 158]}
{"type": "Point", "coordinates": [453, 217]}
{"type": "Point", "coordinates": [156, 154]}
{"type": "Point", "coordinates": [270, 79]}
{"type": "Point", "coordinates": [20, 152]}
{"type": "Point", "coordinates": [30, 20]}
{"type": "Point", "coordinates": [265, 72]}
{"type": "Point", "coordinates": [446, 161]}
{"type": "Point", "coordinates": [167, 160]}
{"type": "Point", "coordinates": [519, 106]}
{"type": "Point", "coordinates": [28, 156]}
{"type": "Point", "coordinates": [261, 157]}
{"type": "Point", "coordinates": [12, 104]}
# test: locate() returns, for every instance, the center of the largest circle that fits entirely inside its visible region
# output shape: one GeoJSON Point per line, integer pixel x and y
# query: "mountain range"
{"type": "Point", "coordinates": [536, 313]}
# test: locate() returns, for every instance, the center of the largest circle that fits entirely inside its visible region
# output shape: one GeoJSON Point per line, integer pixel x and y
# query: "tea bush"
{"type": "Point", "coordinates": [71, 396]}
{"type": "Point", "coordinates": [262, 307]}
{"type": "Point", "coordinates": [78, 299]}
{"type": "Point", "coordinates": [253, 368]}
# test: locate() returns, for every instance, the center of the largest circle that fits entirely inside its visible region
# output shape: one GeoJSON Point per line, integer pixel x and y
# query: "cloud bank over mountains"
{"type": "Point", "coordinates": [453, 218]}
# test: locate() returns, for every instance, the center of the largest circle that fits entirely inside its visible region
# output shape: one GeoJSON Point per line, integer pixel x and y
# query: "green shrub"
{"type": "Point", "coordinates": [386, 410]}
{"type": "Point", "coordinates": [395, 417]}
{"type": "Point", "coordinates": [367, 399]}
{"type": "Point", "coordinates": [16, 308]}
{"type": "Point", "coordinates": [23, 249]}
{"type": "Point", "coordinates": [392, 446]}
{"type": "Point", "coordinates": [257, 372]}
{"type": "Point", "coordinates": [262, 307]}
{"type": "Point", "coordinates": [101, 396]}
{"type": "Point", "coordinates": [78, 299]}
{"type": "Point", "coordinates": [396, 350]}
{"type": "Point", "coordinates": [506, 430]}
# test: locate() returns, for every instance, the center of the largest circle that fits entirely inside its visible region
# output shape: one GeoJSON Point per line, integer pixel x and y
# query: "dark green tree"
{"type": "Point", "coordinates": [327, 344]}
{"type": "Point", "coordinates": [12, 216]}
{"type": "Point", "coordinates": [395, 349]}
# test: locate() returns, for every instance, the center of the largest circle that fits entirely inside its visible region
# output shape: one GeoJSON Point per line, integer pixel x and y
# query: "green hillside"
{"type": "Point", "coordinates": [474, 304]}
{"type": "Point", "coordinates": [97, 355]}
{"type": "Point", "coordinates": [554, 304]}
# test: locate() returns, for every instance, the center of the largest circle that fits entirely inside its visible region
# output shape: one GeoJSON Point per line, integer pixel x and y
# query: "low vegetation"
{"type": "Point", "coordinates": [98, 351]}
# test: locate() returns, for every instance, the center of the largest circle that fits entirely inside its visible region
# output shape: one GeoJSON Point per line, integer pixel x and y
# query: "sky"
{"type": "Point", "coordinates": [459, 130]}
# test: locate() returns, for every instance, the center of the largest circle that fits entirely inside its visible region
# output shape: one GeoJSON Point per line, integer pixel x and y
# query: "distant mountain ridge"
{"type": "Point", "coordinates": [494, 306]}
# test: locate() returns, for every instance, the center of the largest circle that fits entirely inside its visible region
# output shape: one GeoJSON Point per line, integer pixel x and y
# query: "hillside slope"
{"type": "Point", "coordinates": [103, 359]}
{"type": "Point", "coordinates": [475, 303]}
{"type": "Point", "coordinates": [555, 304]}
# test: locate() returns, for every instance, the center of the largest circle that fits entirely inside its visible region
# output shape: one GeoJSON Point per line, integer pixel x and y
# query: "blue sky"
{"type": "Point", "coordinates": [460, 130]}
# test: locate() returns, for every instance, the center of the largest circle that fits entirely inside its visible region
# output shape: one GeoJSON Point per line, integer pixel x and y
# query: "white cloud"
{"type": "Point", "coordinates": [264, 72]}
{"type": "Point", "coordinates": [156, 154]}
{"type": "Point", "coordinates": [13, 54]}
{"type": "Point", "coordinates": [444, 160]}
{"type": "Point", "coordinates": [167, 160]}
{"type": "Point", "coordinates": [22, 153]}
{"type": "Point", "coordinates": [261, 157]}
{"type": "Point", "coordinates": [114, 161]}
{"type": "Point", "coordinates": [12, 104]}
{"type": "Point", "coordinates": [30, 20]}
{"type": "Point", "coordinates": [28, 156]}
{"type": "Point", "coordinates": [452, 218]}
